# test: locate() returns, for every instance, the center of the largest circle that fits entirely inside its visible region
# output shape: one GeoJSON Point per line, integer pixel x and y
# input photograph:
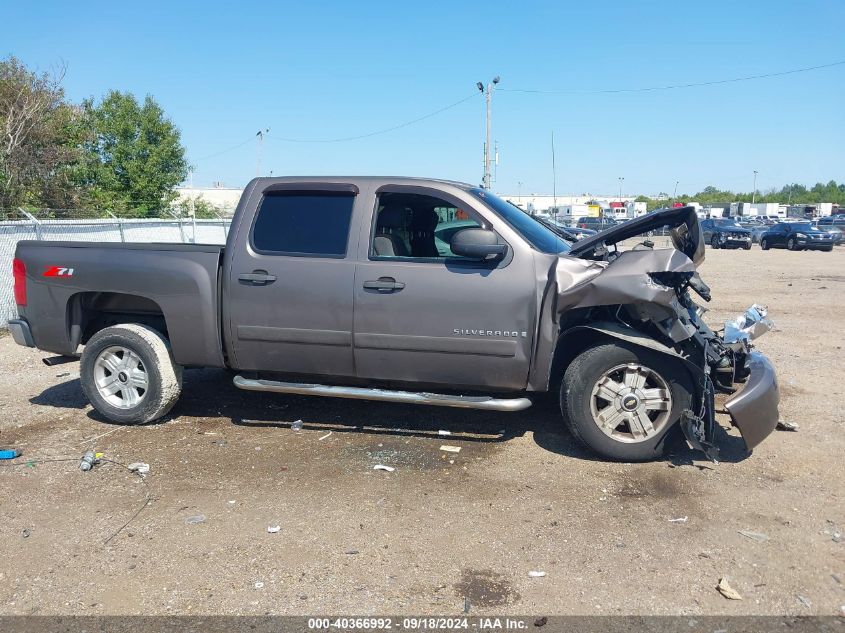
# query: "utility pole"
{"type": "Point", "coordinates": [260, 136]}
{"type": "Point", "coordinates": [488, 94]}
{"type": "Point", "coordinates": [621, 180]}
{"type": "Point", "coordinates": [519, 191]}
{"type": "Point", "coordinates": [754, 193]}
{"type": "Point", "coordinates": [554, 177]}
{"type": "Point", "coordinates": [675, 193]}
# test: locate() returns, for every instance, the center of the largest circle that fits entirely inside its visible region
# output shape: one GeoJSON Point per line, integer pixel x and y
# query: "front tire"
{"type": "Point", "coordinates": [764, 244]}
{"type": "Point", "coordinates": [714, 241]}
{"type": "Point", "coordinates": [624, 402]}
{"type": "Point", "coordinates": [791, 244]}
{"type": "Point", "coordinates": [747, 246]}
{"type": "Point", "coordinates": [128, 374]}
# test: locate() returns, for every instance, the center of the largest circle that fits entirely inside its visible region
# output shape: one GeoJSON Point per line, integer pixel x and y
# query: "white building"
{"type": "Point", "coordinates": [224, 199]}
{"type": "Point", "coordinates": [537, 203]}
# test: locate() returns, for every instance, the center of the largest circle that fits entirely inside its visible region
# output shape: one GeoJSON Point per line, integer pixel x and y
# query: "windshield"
{"type": "Point", "coordinates": [801, 227]}
{"type": "Point", "coordinates": [726, 223]}
{"type": "Point", "coordinates": [530, 229]}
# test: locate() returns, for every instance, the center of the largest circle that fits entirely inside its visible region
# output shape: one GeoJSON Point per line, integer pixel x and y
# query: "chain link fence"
{"type": "Point", "coordinates": [90, 226]}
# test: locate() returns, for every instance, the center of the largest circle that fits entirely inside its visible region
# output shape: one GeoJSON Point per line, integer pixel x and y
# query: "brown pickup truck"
{"type": "Point", "coordinates": [408, 290]}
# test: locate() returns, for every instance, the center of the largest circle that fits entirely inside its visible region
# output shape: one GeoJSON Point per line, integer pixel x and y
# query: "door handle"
{"type": "Point", "coordinates": [384, 284]}
{"type": "Point", "coordinates": [257, 278]}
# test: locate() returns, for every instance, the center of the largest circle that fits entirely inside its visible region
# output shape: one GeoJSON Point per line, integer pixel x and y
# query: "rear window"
{"type": "Point", "coordinates": [303, 223]}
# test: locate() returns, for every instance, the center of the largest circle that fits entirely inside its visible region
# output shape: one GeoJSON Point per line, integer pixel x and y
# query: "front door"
{"type": "Point", "coordinates": [290, 284]}
{"type": "Point", "coordinates": [426, 315]}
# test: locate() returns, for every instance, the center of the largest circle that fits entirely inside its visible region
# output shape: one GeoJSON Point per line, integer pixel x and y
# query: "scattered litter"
{"type": "Point", "coordinates": [754, 536]}
{"type": "Point", "coordinates": [726, 590]}
{"type": "Point", "coordinates": [804, 601]}
{"type": "Point", "coordinates": [139, 467]}
{"type": "Point", "coordinates": [25, 533]}
{"type": "Point", "coordinates": [272, 529]}
{"type": "Point", "coordinates": [442, 432]}
{"type": "Point", "coordinates": [9, 454]}
{"type": "Point", "coordinates": [679, 520]}
{"type": "Point", "coordinates": [536, 574]}
{"type": "Point", "coordinates": [450, 449]}
{"type": "Point", "coordinates": [64, 374]}
{"type": "Point", "coordinates": [351, 552]}
{"type": "Point", "coordinates": [541, 621]}
{"type": "Point", "coordinates": [325, 436]}
{"type": "Point", "coordinates": [231, 502]}
{"type": "Point", "coordinates": [466, 605]}
{"type": "Point", "coordinates": [88, 461]}
{"type": "Point", "coordinates": [783, 425]}
{"type": "Point", "coordinates": [193, 520]}
{"type": "Point", "coordinates": [296, 426]}
{"type": "Point", "coordinates": [259, 585]}
{"type": "Point", "coordinates": [388, 469]}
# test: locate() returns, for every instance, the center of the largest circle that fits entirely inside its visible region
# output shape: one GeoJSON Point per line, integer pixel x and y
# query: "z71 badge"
{"type": "Point", "coordinates": [58, 271]}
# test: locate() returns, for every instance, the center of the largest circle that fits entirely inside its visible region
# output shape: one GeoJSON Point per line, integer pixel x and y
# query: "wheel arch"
{"type": "Point", "coordinates": [577, 339]}
{"type": "Point", "coordinates": [89, 312]}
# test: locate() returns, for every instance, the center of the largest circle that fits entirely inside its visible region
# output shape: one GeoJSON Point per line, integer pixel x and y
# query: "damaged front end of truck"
{"type": "Point", "coordinates": [644, 295]}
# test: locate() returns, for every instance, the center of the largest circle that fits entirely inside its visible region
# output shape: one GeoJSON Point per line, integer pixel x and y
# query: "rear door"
{"type": "Point", "coordinates": [426, 315]}
{"type": "Point", "coordinates": [290, 280]}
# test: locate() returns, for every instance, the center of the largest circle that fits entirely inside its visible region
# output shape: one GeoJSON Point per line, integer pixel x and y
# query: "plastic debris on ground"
{"type": "Point", "coordinates": [726, 590]}
{"type": "Point", "coordinates": [754, 536]}
{"type": "Point", "coordinates": [679, 520]}
{"type": "Point", "coordinates": [272, 529]}
{"type": "Point", "coordinates": [804, 601]}
{"type": "Point", "coordinates": [259, 585]}
{"type": "Point", "coordinates": [388, 469]}
{"type": "Point", "coordinates": [783, 425]}
{"type": "Point", "coordinates": [442, 432]}
{"type": "Point", "coordinates": [194, 520]}
{"type": "Point", "coordinates": [536, 574]}
{"type": "Point", "coordinates": [325, 436]}
{"type": "Point", "coordinates": [296, 426]}
{"type": "Point", "coordinates": [749, 325]}
{"type": "Point", "coordinates": [139, 467]}
{"type": "Point", "coordinates": [88, 461]}
{"type": "Point", "coordinates": [9, 454]}
{"type": "Point", "coordinates": [450, 449]}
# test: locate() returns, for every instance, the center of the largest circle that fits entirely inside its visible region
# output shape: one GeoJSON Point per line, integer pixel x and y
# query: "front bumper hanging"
{"type": "Point", "coordinates": [754, 409]}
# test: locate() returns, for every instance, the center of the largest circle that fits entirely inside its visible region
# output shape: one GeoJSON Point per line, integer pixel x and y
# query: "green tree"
{"type": "Point", "coordinates": [41, 135]}
{"type": "Point", "coordinates": [134, 156]}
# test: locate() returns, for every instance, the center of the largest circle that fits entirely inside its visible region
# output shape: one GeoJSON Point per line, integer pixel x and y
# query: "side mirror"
{"type": "Point", "coordinates": [477, 244]}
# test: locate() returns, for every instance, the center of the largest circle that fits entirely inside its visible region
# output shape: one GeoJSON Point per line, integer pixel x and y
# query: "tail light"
{"type": "Point", "coordinates": [19, 273]}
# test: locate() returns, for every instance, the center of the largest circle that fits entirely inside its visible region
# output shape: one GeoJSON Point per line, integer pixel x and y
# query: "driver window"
{"type": "Point", "coordinates": [416, 226]}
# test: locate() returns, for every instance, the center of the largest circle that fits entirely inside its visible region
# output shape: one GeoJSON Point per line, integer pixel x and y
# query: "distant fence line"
{"type": "Point", "coordinates": [177, 230]}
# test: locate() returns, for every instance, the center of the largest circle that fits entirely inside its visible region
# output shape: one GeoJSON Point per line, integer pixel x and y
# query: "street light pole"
{"type": "Point", "coordinates": [621, 181]}
{"type": "Point", "coordinates": [675, 192]}
{"type": "Point", "coordinates": [260, 136]}
{"type": "Point", "coordinates": [754, 193]}
{"type": "Point", "coordinates": [488, 94]}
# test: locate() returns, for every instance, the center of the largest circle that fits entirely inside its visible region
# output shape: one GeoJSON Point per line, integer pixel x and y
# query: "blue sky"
{"type": "Point", "coordinates": [321, 70]}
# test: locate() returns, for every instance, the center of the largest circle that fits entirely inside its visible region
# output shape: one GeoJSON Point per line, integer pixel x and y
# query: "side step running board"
{"type": "Point", "coordinates": [408, 397]}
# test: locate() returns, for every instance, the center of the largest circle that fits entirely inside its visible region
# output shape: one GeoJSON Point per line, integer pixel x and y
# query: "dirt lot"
{"type": "Point", "coordinates": [444, 531]}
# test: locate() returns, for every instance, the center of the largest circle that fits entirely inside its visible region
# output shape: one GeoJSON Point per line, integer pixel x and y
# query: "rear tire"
{"type": "Point", "coordinates": [128, 374]}
{"type": "Point", "coordinates": [589, 416]}
{"type": "Point", "coordinates": [764, 244]}
{"type": "Point", "coordinates": [714, 241]}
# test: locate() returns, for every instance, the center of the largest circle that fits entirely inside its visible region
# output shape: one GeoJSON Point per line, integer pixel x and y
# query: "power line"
{"type": "Point", "coordinates": [225, 151]}
{"type": "Point", "coordinates": [678, 86]}
{"type": "Point", "coordinates": [376, 132]}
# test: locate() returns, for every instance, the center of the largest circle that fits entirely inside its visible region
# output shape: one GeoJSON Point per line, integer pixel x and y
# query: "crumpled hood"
{"type": "Point", "coordinates": [683, 222]}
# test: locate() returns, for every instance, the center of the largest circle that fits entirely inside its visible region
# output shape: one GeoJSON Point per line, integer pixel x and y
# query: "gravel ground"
{"type": "Point", "coordinates": [444, 530]}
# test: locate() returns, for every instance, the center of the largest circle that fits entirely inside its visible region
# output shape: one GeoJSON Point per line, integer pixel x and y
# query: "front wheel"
{"type": "Point", "coordinates": [623, 401]}
{"type": "Point", "coordinates": [747, 246]}
{"type": "Point", "coordinates": [764, 244]}
{"type": "Point", "coordinates": [791, 244]}
{"type": "Point", "coordinates": [714, 241]}
{"type": "Point", "coordinates": [128, 374]}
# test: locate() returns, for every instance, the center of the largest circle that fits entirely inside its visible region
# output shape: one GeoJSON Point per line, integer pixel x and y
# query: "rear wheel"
{"type": "Point", "coordinates": [764, 244]}
{"type": "Point", "coordinates": [128, 374]}
{"type": "Point", "coordinates": [623, 402]}
{"type": "Point", "coordinates": [714, 241]}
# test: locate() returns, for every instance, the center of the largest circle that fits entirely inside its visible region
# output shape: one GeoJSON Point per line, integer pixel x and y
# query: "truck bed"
{"type": "Point", "coordinates": [177, 282]}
